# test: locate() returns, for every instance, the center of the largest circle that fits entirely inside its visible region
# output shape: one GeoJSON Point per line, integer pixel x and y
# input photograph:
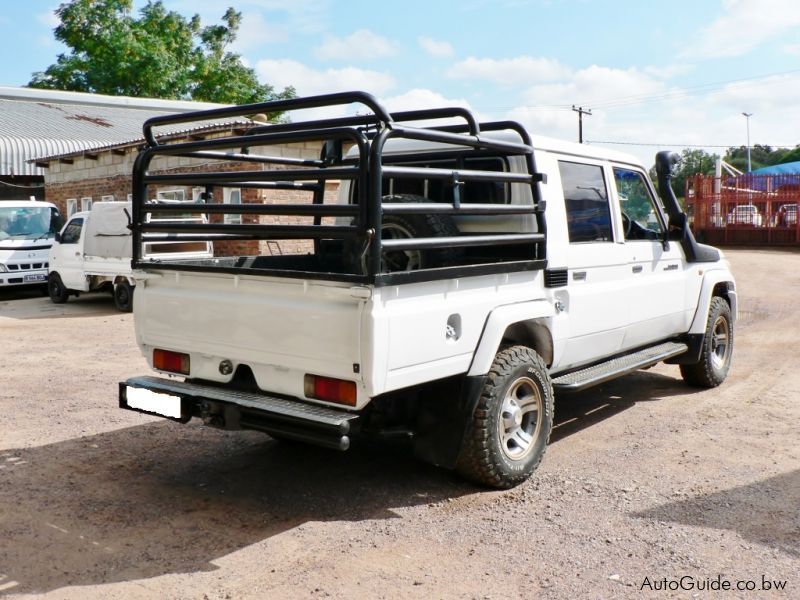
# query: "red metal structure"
{"type": "Point", "coordinates": [754, 210]}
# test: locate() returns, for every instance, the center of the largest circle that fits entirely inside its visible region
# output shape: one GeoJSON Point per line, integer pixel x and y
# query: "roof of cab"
{"type": "Point", "coordinates": [399, 145]}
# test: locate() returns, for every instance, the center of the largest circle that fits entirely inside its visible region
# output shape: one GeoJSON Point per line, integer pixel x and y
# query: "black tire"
{"type": "Point", "coordinates": [416, 226]}
{"type": "Point", "coordinates": [56, 289]}
{"type": "Point", "coordinates": [512, 422]}
{"type": "Point", "coordinates": [717, 352]}
{"type": "Point", "coordinates": [123, 296]}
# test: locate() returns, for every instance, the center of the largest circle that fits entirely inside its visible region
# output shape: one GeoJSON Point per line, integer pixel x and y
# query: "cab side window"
{"type": "Point", "coordinates": [586, 202]}
{"type": "Point", "coordinates": [640, 216]}
{"type": "Point", "coordinates": [72, 232]}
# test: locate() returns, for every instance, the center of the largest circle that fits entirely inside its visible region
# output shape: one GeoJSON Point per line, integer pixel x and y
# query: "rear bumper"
{"type": "Point", "coordinates": [234, 409]}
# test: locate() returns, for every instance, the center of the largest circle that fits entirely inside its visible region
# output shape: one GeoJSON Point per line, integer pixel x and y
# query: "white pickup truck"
{"type": "Point", "coordinates": [27, 229]}
{"type": "Point", "coordinates": [93, 252]}
{"type": "Point", "coordinates": [463, 274]}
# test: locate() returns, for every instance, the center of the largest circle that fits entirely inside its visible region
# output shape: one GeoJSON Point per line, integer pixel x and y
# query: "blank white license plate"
{"type": "Point", "coordinates": [153, 402]}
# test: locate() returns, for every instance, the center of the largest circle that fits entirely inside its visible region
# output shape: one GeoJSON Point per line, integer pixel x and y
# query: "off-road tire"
{"type": "Point", "coordinates": [717, 351]}
{"type": "Point", "coordinates": [56, 289]}
{"type": "Point", "coordinates": [416, 226]}
{"type": "Point", "coordinates": [123, 296]}
{"type": "Point", "coordinates": [484, 456]}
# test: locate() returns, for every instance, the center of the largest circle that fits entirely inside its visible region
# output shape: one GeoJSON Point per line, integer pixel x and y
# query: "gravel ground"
{"type": "Point", "coordinates": [646, 484]}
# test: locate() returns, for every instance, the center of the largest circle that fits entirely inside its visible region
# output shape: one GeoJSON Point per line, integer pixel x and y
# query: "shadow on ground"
{"type": "Point", "coordinates": [577, 411]}
{"type": "Point", "coordinates": [19, 305]}
{"type": "Point", "coordinates": [160, 498]}
{"type": "Point", "coordinates": [142, 502]}
{"type": "Point", "coordinates": [765, 512]}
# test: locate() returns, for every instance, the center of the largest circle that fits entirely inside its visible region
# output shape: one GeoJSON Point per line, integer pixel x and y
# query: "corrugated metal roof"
{"type": "Point", "coordinates": [37, 123]}
{"type": "Point", "coordinates": [162, 133]}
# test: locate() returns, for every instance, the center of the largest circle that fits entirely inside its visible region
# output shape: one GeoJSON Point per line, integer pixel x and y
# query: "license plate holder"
{"type": "Point", "coordinates": [34, 278]}
{"type": "Point", "coordinates": [156, 403]}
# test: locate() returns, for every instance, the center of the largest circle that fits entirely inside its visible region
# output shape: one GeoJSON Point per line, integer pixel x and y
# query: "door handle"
{"type": "Point", "coordinates": [637, 268]}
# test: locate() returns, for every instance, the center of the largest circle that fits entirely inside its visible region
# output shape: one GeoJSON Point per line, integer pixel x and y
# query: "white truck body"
{"type": "Point", "coordinates": [314, 352]}
{"type": "Point", "coordinates": [27, 228]}
{"type": "Point", "coordinates": [93, 252]}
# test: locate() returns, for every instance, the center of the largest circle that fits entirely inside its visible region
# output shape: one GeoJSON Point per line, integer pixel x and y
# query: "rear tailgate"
{"type": "Point", "coordinates": [281, 329]}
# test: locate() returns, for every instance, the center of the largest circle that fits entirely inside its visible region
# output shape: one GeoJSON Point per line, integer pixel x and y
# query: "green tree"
{"type": "Point", "coordinates": [160, 54]}
{"type": "Point", "coordinates": [760, 156]}
{"type": "Point", "coordinates": [693, 162]}
{"type": "Point", "coordinates": [792, 155]}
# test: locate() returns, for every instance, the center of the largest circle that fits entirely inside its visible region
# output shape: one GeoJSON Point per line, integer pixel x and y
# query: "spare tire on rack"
{"type": "Point", "coordinates": [406, 226]}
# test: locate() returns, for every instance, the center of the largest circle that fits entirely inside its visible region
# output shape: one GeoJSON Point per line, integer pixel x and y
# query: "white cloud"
{"type": "Point", "coordinates": [308, 17]}
{"type": "Point", "coordinates": [670, 119]}
{"type": "Point", "coordinates": [418, 98]}
{"type": "Point", "coordinates": [668, 71]}
{"type": "Point", "coordinates": [509, 71]}
{"type": "Point", "coordinates": [596, 87]}
{"type": "Point", "coordinates": [745, 25]}
{"type": "Point", "coordinates": [792, 49]}
{"type": "Point", "coordinates": [361, 44]}
{"type": "Point", "coordinates": [49, 18]}
{"type": "Point", "coordinates": [308, 81]}
{"type": "Point", "coordinates": [255, 31]}
{"type": "Point", "coordinates": [436, 48]}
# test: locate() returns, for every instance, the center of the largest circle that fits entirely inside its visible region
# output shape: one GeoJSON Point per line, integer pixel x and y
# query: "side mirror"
{"type": "Point", "coordinates": [58, 237]}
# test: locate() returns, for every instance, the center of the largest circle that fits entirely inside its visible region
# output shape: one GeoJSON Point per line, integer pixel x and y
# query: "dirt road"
{"type": "Point", "coordinates": [647, 483]}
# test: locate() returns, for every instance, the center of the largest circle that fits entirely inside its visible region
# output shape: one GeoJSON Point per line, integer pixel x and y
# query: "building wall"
{"type": "Point", "coordinates": [108, 173]}
{"type": "Point", "coordinates": [21, 187]}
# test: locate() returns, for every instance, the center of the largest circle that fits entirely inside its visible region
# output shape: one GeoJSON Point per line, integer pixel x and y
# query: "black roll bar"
{"type": "Point", "coordinates": [351, 231]}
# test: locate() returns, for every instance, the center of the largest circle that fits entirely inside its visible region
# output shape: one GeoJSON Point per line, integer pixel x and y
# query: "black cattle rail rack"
{"type": "Point", "coordinates": [346, 236]}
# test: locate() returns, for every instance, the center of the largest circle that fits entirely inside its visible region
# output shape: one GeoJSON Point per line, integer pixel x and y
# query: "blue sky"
{"type": "Point", "coordinates": [669, 74]}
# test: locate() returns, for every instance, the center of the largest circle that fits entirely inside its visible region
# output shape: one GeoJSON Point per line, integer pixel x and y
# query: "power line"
{"type": "Point", "coordinates": [685, 145]}
{"type": "Point", "coordinates": [678, 93]}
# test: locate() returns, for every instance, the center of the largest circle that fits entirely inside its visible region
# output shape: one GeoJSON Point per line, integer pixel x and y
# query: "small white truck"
{"type": "Point", "coordinates": [27, 229]}
{"type": "Point", "coordinates": [92, 253]}
{"type": "Point", "coordinates": [465, 273]}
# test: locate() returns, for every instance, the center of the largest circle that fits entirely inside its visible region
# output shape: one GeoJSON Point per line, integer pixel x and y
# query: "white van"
{"type": "Point", "coordinates": [93, 253]}
{"type": "Point", "coordinates": [27, 229]}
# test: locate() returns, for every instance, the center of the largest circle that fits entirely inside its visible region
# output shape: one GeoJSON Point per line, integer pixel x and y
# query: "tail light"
{"type": "Point", "coordinates": [174, 362]}
{"type": "Point", "coordinates": [330, 389]}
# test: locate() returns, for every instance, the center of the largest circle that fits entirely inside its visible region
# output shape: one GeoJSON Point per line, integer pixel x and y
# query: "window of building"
{"type": "Point", "coordinates": [108, 198]}
{"type": "Point", "coordinates": [586, 202]}
{"type": "Point", "coordinates": [174, 195]}
{"type": "Point", "coordinates": [86, 203]}
{"type": "Point", "coordinates": [72, 206]}
{"type": "Point", "coordinates": [232, 196]}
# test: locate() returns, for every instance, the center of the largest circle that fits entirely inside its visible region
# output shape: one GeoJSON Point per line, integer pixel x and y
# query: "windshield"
{"type": "Point", "coordinates": [29, 222]}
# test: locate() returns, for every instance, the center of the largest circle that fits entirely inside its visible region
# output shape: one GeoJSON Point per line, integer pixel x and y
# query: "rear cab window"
{"type": "Point", "coordinates": [586, 202]}
{"type": "Point", "coordinates": [437, 190]}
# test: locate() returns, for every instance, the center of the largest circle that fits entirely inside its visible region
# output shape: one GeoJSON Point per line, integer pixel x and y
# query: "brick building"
{"type": "Point", "coordinates": [75, 180]}
{"type": "Point", "coordinates": [36, 123]}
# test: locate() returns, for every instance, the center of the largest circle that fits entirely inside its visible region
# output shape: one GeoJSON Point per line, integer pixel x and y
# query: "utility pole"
{"type": "Point", "coordinates": [747, 117]}
{"type": "Point", "coordinates": [581, 112]}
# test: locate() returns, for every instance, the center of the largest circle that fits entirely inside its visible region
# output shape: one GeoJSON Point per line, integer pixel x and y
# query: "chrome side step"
{"type": "Point", "coordinates": [621, 365]}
